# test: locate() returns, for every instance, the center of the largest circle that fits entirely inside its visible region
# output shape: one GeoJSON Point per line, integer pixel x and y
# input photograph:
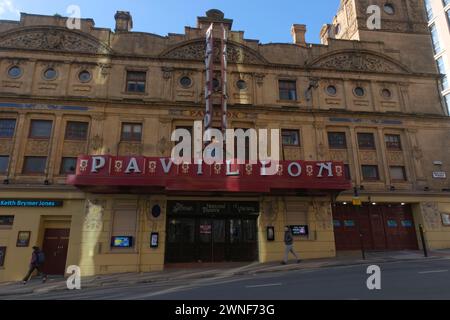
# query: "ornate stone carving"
{"type": "Point", "coordinates": [43, 38]}
{"type": "Point", "coordinates": [50, 64]}
{"type": "Point", "coordinates": [6, 147]}
{"type": "Point", "coordinates": [363, 4]}
{"type": "Point", "coordinates": [339, 155]}
{"type": "Point", "coordinates": [163, 145]}
{"type": "Point", "coordinates": [105, 68]}
{"type": "Point", "coordinates": [37, 147]}
{"type": "Point", "coordinates": [16, 61]}
{"type": "Point", "coordinates": [395, 157]}
{"type": "Point", "coordinates": [94, 215]}
{"type": "Point", "coordinates": [321, 150]}
{"type": "Point", "coordinates": [196, 51]}
{"type": "Point", "coordinates": [99, 117]}
{"type": "Point", "coordinates": [368, 156]}
{"type": "Point", "coordinates": [259, 78]}
{"type": "Point", "coordinates": [74, 148]}
{"type": "Point", "coordinates": [167, 73]}
{"type": "Point", "coordinates": [292, 153]}
{"type": "Point", "coordinates": [96, 142]}
{"type": "Point", "coordinates": [417, 153]}
{"type": "Point", "coordinates": [431, 215]}
{"type": "Point", "coordinates": [353, 61]}
{"type": "Point", "coordinates": [271, 209]}
{"type": "Point", "coordinates": [323, 215]}
{"type": "Point", "coordinates": [130, 149]}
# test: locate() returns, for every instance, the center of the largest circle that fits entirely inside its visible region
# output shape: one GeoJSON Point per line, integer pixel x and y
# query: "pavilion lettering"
{"type": "Point", "coordinates": [102, 165]}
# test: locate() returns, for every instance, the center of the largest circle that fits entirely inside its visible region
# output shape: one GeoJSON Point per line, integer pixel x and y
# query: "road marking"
{"type": "Point", "coordinates": [265, 285]}
{"type": "Point", "coordinates": [434, 271]}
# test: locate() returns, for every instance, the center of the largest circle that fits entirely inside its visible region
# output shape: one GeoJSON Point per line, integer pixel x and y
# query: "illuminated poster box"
{"type": "Point", "coordinates": [301, 230]}
{"type": "Point", "coordinates": [122, 242]}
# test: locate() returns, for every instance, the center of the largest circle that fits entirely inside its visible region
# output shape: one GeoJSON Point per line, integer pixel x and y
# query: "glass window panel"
{"type": "Point", "coordinates": [288, 90]}
{"type": "Point", "coordinates": [290, 137]}
{"type": "Point", "coordinates": [347, 172]}
{"type": "Point", "coordinates": [235, 231]}
{"type": "Point", "coordinates": [4, 164]}
{"type": "Point", "coordinates": [76, 130]}
{"type": "Point", "coordinates": [136, 81]}
{"type": "Point", "coordinates": [68, 165]}
{"type": "Point", "coordinates": [398, 173]}
{"type": "Point", "coordinates": [34, 165]}
{"type": "Point", "coordinates": [393, 142]}
{"type": "Point", "coordinates": [7, 128]}
{"type": "Point", "coordinates": [205, 231]}
{"type": "Point", "coordinates": [131, 132]}
{"type": "Point", "coordinates": [181, 231]}
{"type": "Point", "coordinates": [6, 220]}
{"type": "Point", "coordinates": [429, 9]}
{"type": "Point", "coordinates": [337, 140]}
{"type": "Point", "coordinates": [370, 172]}
{"type": "Point", "coordinates": [435, 39]}
{"type": "Point", "coordinates": [366, 141]}
{"type": "Point", "coordinates": [41, 129]}
{"type": "Point", "coordinates": [219, 231]}
{"type": "Point", "coordinates": [442, 70]}
{"type": "Point", "coordinates": [249, 231]}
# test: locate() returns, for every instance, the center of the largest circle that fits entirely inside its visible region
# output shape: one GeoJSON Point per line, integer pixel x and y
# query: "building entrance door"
{"type": "Point", "coordinates": [56, 243]}
{"type": "Point", "coordinates": [382, 227]}
{"type": "Point", "coordinates": [211, 238]}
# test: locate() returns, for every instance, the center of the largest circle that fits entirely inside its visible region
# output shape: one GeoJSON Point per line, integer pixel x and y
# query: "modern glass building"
{"type": "Point", "coordinates": [438, 12]}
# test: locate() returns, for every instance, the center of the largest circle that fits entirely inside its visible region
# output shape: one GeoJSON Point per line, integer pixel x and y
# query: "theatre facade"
{"type": "Point", "coordinates": [86, 118]}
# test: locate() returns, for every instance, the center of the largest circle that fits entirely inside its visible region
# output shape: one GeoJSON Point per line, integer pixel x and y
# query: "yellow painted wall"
{"type": "Point", "coordinates": [35, 220]}
{"type": "Point", "coordinates": [90, 221]}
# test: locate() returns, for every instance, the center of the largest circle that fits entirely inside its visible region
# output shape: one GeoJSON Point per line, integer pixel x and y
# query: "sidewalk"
{"type": "Point", "coordinates": [219, 271]}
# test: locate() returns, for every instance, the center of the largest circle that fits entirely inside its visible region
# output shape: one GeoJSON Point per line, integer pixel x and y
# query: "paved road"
{"type": "Point", "coordinates": [426, 279]}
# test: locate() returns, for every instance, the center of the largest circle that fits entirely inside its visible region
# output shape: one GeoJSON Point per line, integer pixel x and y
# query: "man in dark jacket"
{"type": "Point", "coordinates": [36, 263]}
{"type": "Point", "coordinates": [289, 242]}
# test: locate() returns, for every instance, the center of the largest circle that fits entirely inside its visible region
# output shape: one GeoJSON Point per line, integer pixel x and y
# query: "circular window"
{"type": "Point", "coordinates": [14, 72]}
{"type": "Point", "coordinates": [331, 90]}
{"type": "Point", "coordinates": [50, 74]}
{"type": "Point", "coordinates": [337, 29]}
{"type": "Point", "coordinates": [386, 93]}
{"type": "Point", "coordinates": [389, 8]}
{"type": "Point", "coordinates": [156, 211]}
{"type": "Point", "coordinates": [359, 92]}
{"type": "Point", "coordinates": [216, 84]}
{"type": "Point", "coordinates": [185, 82]}
{"type": "Point", "coordinates": [84, 76]}
{"type": "Point", "coordinates": [241, 84]}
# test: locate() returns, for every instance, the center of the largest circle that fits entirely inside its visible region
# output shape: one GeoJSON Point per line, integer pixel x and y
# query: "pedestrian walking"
{"type": "Point", "coordinates": [36, 263]}
{"type": "Point", "coordinates": [289, 242]}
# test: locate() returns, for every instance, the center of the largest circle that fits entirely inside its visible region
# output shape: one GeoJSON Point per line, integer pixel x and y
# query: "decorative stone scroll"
{"type": "Point", "coordinates": [196, 51]}
{"type": "Point", "coordinates": [357, 61]}
{"type": "Point", "coordinates": [51, 38]}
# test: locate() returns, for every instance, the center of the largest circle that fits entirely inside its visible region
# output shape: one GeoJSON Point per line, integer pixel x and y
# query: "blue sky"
{"type": "Point", "coordinates": [265, 20]}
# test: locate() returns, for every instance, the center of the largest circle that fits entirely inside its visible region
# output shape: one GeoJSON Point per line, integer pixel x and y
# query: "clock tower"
{"type": "Point", "coordinates": [401, 26]}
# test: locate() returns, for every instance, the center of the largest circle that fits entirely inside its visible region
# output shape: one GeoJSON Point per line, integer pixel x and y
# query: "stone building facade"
{"type": "Point", "coordinates": [367, 98]}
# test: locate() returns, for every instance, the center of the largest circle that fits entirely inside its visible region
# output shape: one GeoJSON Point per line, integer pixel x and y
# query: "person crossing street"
{"type": "Point", "coordinates": [36, 263]}
{"type": "Point", "coordinates": [289, 243]}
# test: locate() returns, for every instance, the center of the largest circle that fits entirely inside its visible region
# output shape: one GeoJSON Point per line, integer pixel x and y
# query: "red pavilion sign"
{"type": "Point", "coordinates": [163, 174]}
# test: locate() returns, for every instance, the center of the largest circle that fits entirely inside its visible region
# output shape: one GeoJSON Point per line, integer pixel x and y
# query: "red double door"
{"type": "Point", "coordinates": [56, 243]}
{"type": "Point", "coordinates": [380, 227]}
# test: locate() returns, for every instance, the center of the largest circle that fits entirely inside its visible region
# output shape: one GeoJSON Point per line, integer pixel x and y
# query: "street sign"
{"type": "Point", "coordinates": [439, 175]}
